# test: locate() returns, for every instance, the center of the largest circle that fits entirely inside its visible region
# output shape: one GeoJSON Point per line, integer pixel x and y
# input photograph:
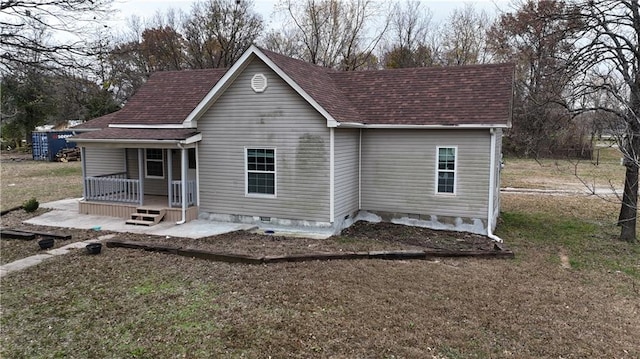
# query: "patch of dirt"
{"type": "Point", "coordinates": [362, 236]}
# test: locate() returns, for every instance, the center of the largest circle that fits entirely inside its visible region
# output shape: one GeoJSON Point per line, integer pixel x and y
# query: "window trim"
{"type": "Point", "coordinates": [455, 171]}
{"type": "Point", "coordinates": [275, 172]}
{"type": "Point", "coordinates": [146, 160]}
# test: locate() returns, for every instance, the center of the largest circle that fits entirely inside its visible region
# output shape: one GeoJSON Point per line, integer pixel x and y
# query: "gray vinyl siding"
{"type": "Point", "coordinates": [346, 156]}
{"type": "Point", "coordinates": [399, 172]}
{"type": "Point", "coordinates": [276, 118]}
{"type": "Point", "coordinates": [154, 186]}
{"type": "Point", "coordinates": [101, 160]}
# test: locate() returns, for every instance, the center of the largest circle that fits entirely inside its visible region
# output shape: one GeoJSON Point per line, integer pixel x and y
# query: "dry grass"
{"type": "Point", "coordinates": [565, 173]}
{"type": "Point", "coordinates": [134, 304]}
{"type": "Point", "coordinates": [46, 181]}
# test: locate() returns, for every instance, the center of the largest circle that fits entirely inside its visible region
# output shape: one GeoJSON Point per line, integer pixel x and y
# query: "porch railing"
{"type": "Point", "coordinates": [113, 187]}
{"type": "Point", "coordinates": [176, 193]}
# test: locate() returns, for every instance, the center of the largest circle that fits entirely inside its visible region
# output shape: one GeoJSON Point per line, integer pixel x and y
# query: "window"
{"type": "Point", "coordinates": [446, 170]}
{"type": "Point", "coordinates": [154, 163]}
{"type": "Point", "coordinates": [261, 171]}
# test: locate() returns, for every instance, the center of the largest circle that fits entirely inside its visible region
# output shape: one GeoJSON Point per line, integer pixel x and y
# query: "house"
{"type": "Point", "coordinates": [281, 141]}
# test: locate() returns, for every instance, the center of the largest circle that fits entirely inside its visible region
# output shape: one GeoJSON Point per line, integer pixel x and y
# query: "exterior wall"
{"type": "Point", "coordinates": [276, 118]}
{"type": "Point", "coordinates": [155, 186]}
{"type": "Point", "coordinates": [101, 161]}
{"type": "Point", "coordinates": [346, 158]}
{"type": "Point", "coordinates": [399, 177]}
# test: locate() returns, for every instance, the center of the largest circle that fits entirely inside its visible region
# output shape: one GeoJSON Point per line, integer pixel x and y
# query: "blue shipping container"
{"type": "Point", "coordinates": [46, 144]}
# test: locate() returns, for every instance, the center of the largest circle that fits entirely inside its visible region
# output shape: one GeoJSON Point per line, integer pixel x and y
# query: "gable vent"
{"type": "Point", "coordinates": [259, 83]}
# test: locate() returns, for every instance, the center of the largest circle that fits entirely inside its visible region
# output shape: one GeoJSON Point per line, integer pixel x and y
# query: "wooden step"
{"type": "Point", "coordinates": [137, 222]}
{"type": "Point", "coordinates": [144, 216]}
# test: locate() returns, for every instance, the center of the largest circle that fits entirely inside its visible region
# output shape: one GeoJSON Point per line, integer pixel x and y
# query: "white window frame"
{"type": "Point", "coordinates": [455, 171]}
{"type": "Point", "coordinates": [146, 160]}
{"type": "Point", "coordinates": [246, 172]}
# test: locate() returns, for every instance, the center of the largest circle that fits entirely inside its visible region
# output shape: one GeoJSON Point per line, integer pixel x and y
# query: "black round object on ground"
{"type": "Point", "coordinates": [46, 242]}
{"type": "Point", "coordinates": [94, 248]}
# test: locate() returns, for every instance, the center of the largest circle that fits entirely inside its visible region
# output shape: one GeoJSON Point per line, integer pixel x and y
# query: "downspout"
{"type": "Point", "coordinates": [360, 169]}
{"type": "Point", "coordinates": [331, 175]}
{"type": "Point", "coordinates": [492, 189]}
{"type": "Point", "coordinates": [183, 179]}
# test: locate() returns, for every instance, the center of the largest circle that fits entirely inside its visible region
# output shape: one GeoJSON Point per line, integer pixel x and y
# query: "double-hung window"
{"type": "Point", "coordinates": [154, 163]}
{"type": "Point", "coordinates": [446, 170]}
{"type": "Point", "coordinates": [261, 171]}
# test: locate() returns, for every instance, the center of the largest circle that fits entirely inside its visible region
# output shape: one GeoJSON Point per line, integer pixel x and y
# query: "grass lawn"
{"type": "Point", "coordinates": [134, 304]}
{"type": "Point", "coordinates": [565, 173]}
{"type": "Point", "coordinates": [46, 181]}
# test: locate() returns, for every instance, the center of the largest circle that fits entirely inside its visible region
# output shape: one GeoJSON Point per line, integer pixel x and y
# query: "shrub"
{"type": "Point", "coordinates": [31, 205]}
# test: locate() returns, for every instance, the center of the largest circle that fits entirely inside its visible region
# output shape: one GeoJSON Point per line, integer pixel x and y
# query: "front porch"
{"type": "Point", "coordinates": [124, 210]}
{"type": "Point", "coordinates": [117, 182]}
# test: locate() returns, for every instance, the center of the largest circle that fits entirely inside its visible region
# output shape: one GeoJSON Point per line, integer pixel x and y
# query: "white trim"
{"type": "Point", "coordinates": [146, 160]}
{"type": "Point", "coordinates": [455, 171]}
{"type": "Point", "coordinates": [235, 70]}
{"type": "Point", "coordinates": [426, 127]}
{"type": "Point", "coordinates": [332, 180]}
{"type": "Point", "coordinates": [275, 173]}
{"type": "Point", "coordinates": [143, 126]}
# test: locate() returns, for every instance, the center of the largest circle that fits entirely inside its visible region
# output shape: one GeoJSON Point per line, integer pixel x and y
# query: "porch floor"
{"type": "Point", "coordinates": [65, 214]}
{"type": "Point", "coordinates": [124, 210]}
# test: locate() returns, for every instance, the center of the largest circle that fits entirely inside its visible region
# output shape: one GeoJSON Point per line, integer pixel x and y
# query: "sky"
{"type": "Point", "coordinates": [147, 8]}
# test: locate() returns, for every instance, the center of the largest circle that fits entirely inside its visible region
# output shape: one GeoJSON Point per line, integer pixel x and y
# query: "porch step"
{"type": "Point", "coordinates": [146, 216]}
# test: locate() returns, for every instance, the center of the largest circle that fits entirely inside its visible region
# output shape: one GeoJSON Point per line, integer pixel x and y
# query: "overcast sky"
{"type": "Point", "coordinates": [147, 8]}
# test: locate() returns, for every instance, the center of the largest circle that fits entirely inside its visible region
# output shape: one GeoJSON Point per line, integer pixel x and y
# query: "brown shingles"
{"type": "Point", "coordinates": [168, 97]}
{"type": "Point", "coordinates": [96, 123]}
{"type": "Point", "coordinates": [473, 95]}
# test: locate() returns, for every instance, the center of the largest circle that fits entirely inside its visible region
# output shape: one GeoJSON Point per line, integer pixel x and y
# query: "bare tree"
{"type": "Point", "coordinates": [407, 41]}
{"type": "Point", "coordinates": [334, 33]}
{"type": "Point", "coordinates": [20, 20]}
{"type": "Point", "coordinates": [217, 32]}
{"type": "Point", "coordinates": [536, 38]}
{"type": "Point", "coordinates": [464, 37]}
{"type": "Point", "coordinates": [609, 59]}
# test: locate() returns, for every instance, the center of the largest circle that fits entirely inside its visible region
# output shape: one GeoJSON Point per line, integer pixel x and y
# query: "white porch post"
{"type": "Point", "coordinates": [183, 167]}
{"type": "Point", "coordinates": [170, 174]}
{"type": "Point", "coordinates": [83, 161]}
{"type": "Point", "coordinates": [141, 175]}
{"type": "Point", "coordinates": [197, 174]}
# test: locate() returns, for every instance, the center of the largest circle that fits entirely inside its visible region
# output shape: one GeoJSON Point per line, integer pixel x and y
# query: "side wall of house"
{"type": "Point", "coordinates": [102, 161]}
{"type": "Point", "coordinates": [279, 119]}
{"type": "Point", "coordinates": [399, 177]}
{"type": "Point", "coordinates": [346, 157]}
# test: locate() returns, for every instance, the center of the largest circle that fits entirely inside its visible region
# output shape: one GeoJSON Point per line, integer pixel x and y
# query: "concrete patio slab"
{"type": "Point", "coordinates": [65, 214]}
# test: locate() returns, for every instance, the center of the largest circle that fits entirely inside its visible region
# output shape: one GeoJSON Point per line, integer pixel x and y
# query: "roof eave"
{"type": "Point", "coordinates": [131, 141]}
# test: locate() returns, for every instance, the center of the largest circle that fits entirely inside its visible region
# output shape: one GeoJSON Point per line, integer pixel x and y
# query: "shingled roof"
{"type": "Point", "coordinates": [168, 97]}
{"type": "Point", "coordinates": [96, 123]}
{"type": "Point", "coordinates": [478, 95]}
{"type": "Point", "coordinates": [449, 96]}
{"type": "Point", "coordinates": [137, 134]}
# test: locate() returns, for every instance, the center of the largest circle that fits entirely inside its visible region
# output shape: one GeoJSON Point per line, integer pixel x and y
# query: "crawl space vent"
{"type": "Point", "coordinates": [259, 83]}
